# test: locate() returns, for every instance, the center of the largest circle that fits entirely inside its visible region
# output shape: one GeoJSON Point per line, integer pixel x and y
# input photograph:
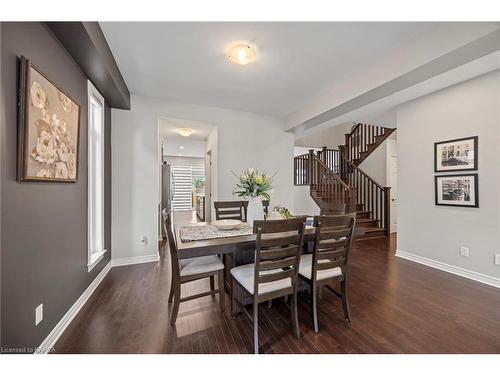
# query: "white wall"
{"type": "Point", "coordinates": [330, 137]}
{"type": "Point", "coordinates": [190, 148]}
{"type": "Point", "coordinates": [181, 160]}
{"type": "Point", "coordinates": [375, 165]}
{"type": "Point", "coordinates": [437, 232]}
{"type": "Point", "coordinates": [243, 140]}
{"type": "Point", "coordinates": [211, 174]}
{"type": "Point", "coordinates": [303, 150]}
{"type": "Point", "coordinates": [303, 203]}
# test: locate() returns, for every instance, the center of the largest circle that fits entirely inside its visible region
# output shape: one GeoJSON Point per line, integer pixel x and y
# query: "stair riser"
{"type": "Point", "coordinates": [370, 236]}
{"type": "Point", "coordinates": [369, 224]}
{"type": "Point", "coordinates": [364, 215]}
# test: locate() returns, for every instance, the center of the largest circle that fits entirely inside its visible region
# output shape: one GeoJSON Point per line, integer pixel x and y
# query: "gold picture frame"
{"type": "Point", "coordinates": [48, 129]}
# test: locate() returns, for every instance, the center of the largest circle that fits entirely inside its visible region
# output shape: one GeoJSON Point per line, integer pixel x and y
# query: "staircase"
{"type": "Point", "coordinates": [363, 140]}
{"type": "Point", "coordinates": [338, 185]}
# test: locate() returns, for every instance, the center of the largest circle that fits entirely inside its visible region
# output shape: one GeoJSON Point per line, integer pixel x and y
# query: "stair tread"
{"type": "Point", "coordinates": [365, 220]}
{"type": "Point", "coordinates": [373, 229]}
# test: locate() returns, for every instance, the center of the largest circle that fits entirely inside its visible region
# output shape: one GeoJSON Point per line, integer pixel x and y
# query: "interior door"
{"type": "Point", "coordinates": [208, 186]}
{"type": "Point", "coordinates": [393, 183]}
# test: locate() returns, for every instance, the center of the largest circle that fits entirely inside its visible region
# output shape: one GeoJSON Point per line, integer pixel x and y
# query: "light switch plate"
{"type": "Point", "coordinates": [464, 251]}
{"type": "Point", "coordinates": [38, 314]}
{"type": "Point", "coordinates": [497, 259]}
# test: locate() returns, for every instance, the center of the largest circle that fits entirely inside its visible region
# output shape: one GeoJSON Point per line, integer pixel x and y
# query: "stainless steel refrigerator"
{"type": "Point", "coordinates": [167, 191]}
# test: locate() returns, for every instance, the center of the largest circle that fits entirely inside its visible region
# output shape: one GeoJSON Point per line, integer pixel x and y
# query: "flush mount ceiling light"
{"type": "Point", "coordinates": [185, 132]}
{"type": "Point", "coordinates": [241, 54]}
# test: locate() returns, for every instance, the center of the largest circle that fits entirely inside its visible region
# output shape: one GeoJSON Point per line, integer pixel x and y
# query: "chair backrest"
{"type": "Point", "coordinates": [332, 242]}
{"type": "Point", "coordinates": [167, 220]}
{"type": "Point", "coordinates": [339, 209]}
{"type": "Point", "coordinates": [278, 248]}
{"type": "Point", "coordinates": [229, 210]}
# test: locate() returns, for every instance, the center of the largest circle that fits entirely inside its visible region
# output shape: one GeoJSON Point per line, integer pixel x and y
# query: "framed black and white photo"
{"type": "Point", "coordinates": [457, 190]}
{"type": "Point", "coordinates": [456, 155]}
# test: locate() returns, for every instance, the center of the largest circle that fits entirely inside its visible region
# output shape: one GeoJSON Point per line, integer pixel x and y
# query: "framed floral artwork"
{"type": "Point", "coordinates": [48, 131]}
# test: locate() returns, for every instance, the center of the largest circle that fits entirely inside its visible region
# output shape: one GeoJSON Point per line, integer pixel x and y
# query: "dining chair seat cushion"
{"type": "Point", "coordinates": [305, 268]}
{"type": "Point", "coordinates": [245, 274]}
{"type": "Point", "coordinates": [199, 265]}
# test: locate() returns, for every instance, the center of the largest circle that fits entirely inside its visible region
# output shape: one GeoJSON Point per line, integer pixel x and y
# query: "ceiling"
{"type": "Point", "coordinates": [167, 128]}
{"type": "Point", "coordinates": [296, 61]}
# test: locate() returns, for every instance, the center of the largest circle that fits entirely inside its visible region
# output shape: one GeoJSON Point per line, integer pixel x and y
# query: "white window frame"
{"type": "Point", "coordinates": [95, 253]}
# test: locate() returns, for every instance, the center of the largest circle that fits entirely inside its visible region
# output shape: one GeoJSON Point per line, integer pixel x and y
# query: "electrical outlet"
{"type": "Point", "coordinates": [144, 240]}
{"type": "Point", "coordinates": [38, 314]}
{"type": "Point", "coordinates": [497, 259]}
{"type": "Point", "coordinates": [464, 251]}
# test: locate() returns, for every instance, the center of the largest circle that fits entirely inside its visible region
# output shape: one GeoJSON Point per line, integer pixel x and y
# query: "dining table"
{"type": "Point", "coordinates": [236, 250]}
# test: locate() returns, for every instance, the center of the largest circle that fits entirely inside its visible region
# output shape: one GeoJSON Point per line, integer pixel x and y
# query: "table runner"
{"type": "Point", "coordinates": [197, 232]}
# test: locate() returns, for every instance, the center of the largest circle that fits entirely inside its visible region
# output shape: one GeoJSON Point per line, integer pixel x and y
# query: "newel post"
{"type": "Point", "coordinates": [347, 146]}
{"type": "Point", "coordinates": [310, 169]}
{"type": "Point", "coordinates": [341, 162]}
{"type": "Point", "coordinates": [387, 210]}
{"type": "Point", "coordinates": [353, 196]}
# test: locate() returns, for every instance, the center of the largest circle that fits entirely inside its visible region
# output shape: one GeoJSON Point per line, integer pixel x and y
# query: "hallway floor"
{"type": "Point", "coordinates": [397, 306]}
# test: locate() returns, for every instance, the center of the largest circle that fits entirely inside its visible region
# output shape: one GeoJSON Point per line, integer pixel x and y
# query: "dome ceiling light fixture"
{"type": "Point", "coordinates": [241, 54]}
{"type": "Point", "coordinates": [185, 132]}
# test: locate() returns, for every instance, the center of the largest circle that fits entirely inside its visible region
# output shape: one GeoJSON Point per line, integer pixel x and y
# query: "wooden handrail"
{"type": "Point", "coordinates": [328, 156]}
{"type": "Point", "coordinates": [363, 139]}
{"type": "Point", "coordinates": [334, 175]}
{"type": "Point", "coordinates": [370, 194]}
{"type": "Point", "coordinates": [352, 165]}
{"type": "Point", "coordinates": [355, 128]}
{"type": "Point", "coordinates": [327, 187]}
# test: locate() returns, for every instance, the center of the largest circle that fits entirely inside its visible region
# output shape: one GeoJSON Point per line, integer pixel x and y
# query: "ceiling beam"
{"type": "Point", "coordinates": [86, 43]}
{"type": "Point", "coordinates": [477, 49]}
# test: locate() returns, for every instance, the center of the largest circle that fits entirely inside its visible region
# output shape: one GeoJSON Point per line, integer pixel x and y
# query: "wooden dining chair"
{"type": "Point", "coordinates": [229, 210]}
{"type": "Point", "coordinates": [187, 270]}
{"type": "Point", "coordinates": [328, 262]}
{"type": "Point", "coordinates": [274, 273]}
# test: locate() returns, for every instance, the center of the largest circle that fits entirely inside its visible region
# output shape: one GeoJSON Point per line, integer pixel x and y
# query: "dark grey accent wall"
{"type": "Point", "coordinates": [1, 142]}
{"type": "Point", "coordinates": [43, 225]}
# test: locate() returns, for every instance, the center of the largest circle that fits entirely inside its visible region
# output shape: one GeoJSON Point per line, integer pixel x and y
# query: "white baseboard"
{"type": "Point", "coordinates": [135, 260]}
{"type": "Point", "coordinates": [54, 335]}
{"type": "Point", "coordinates": [476, 276]}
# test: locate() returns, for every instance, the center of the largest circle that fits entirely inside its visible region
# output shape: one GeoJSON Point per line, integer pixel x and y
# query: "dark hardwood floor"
{"type": "Point", "coordinates": [397, 306]}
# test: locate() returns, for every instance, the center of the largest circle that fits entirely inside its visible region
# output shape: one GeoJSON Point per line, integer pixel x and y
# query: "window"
{"type": "Point", "coordinates": [95, 176]}
{"type": "Point", "coordinates": [183, 176]}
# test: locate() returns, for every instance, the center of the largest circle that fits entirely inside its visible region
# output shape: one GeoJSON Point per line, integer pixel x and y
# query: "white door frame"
{"type": "Point", "coordinates": [393, 183]}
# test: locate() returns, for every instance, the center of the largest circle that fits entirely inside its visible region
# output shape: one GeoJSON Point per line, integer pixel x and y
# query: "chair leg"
{"type": "Point", "coordinates": [295, 316]}
{"type": "Point", "coordinates": [212, 282]}
{"type": "Point", "coordinates": [256, 327]}
{"type": "Point", "coordinates": [315, 295]}
{"type": "Point", "coordinates": [177, 301]}
{"type": "Point", "coordinates": [233, 298]}
{"type": "Point", "coordinates": [221, 291]}
{"type": "Point", "coordinates": [345, 304]}
{"type": "Point", "coordinates": [171, 295]}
